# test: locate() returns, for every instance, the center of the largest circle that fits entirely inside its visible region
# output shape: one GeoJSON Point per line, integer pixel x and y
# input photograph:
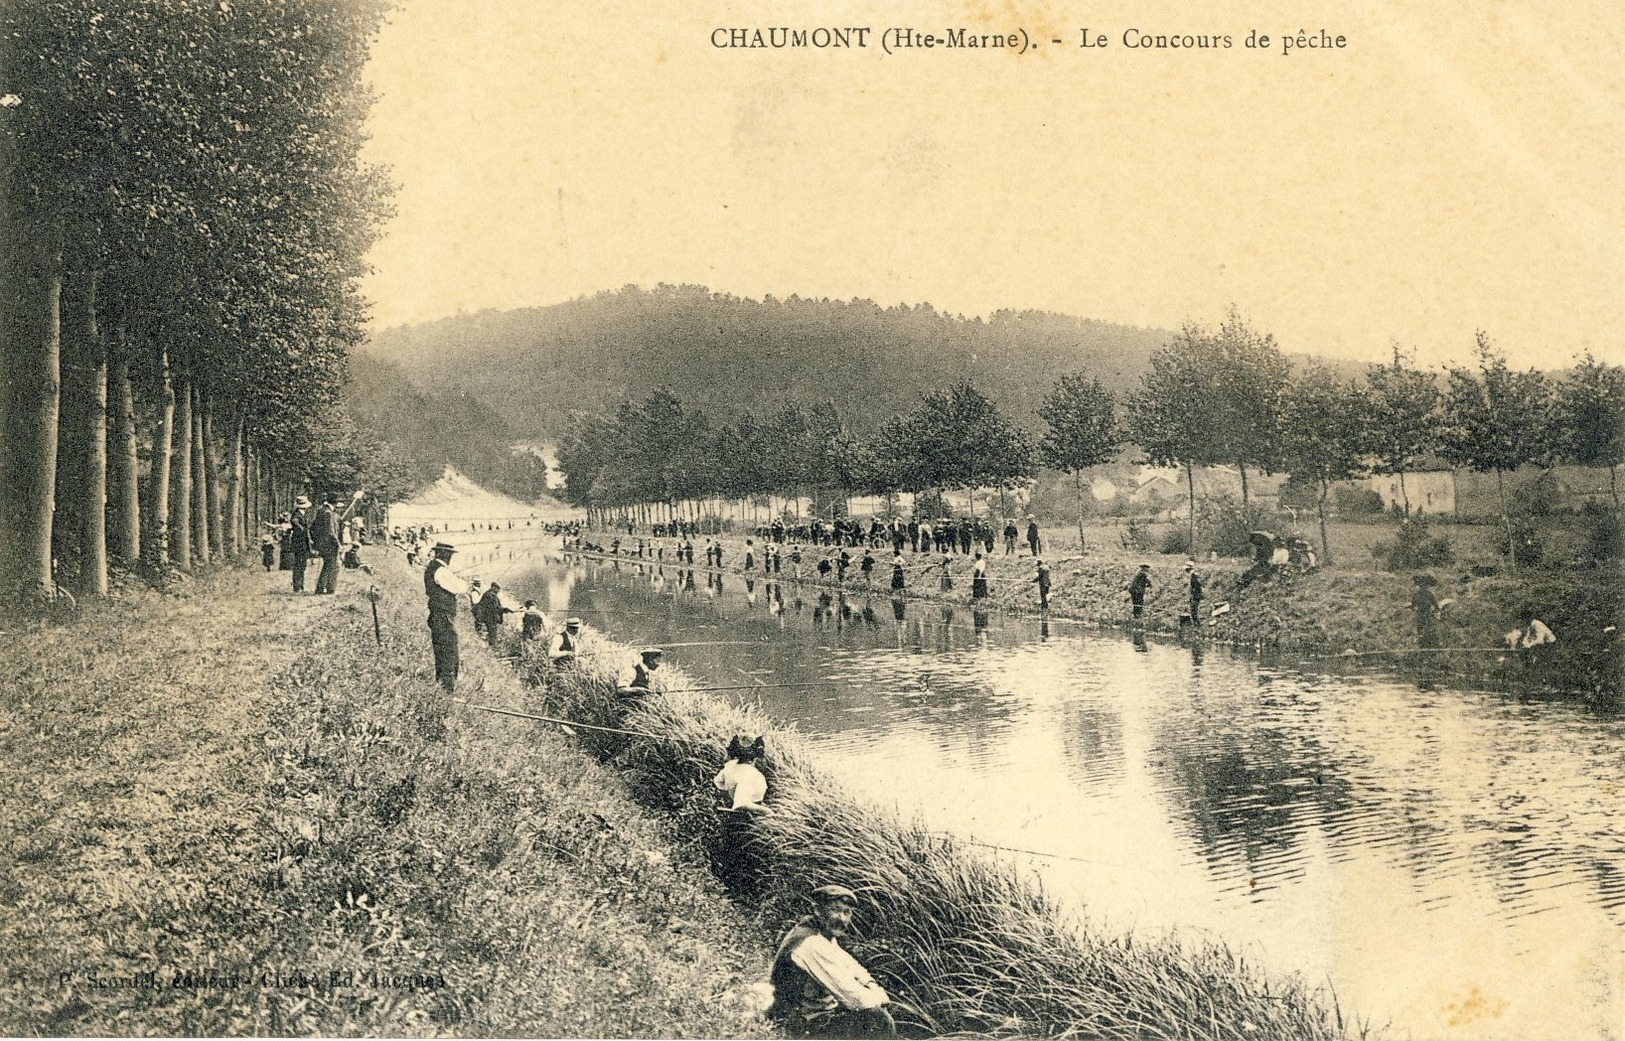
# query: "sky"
{"type": "Point", "coordinates": [1454, 167]}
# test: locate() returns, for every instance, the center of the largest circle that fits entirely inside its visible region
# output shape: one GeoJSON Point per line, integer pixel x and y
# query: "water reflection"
{"type": "Point", "coordinates": [1408, 845]}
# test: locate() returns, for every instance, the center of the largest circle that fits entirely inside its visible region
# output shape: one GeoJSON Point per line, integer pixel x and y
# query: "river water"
{"type": "Point", "coordinates": [1452, 863]}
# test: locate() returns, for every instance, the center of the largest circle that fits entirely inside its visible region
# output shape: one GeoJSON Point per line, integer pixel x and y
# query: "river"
{"type": "Point", "coordinates": [1451, 862]}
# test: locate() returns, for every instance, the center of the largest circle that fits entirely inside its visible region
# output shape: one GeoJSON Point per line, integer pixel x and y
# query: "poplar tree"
{"type": "Point", "coordinates": [1083, 431]}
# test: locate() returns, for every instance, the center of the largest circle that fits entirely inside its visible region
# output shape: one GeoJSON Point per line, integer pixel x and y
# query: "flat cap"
{"type": "Point", "coordinates": [833, 895]}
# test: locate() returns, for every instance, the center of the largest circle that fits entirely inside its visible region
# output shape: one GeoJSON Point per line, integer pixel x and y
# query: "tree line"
{"type": "Point", "coordinates": [1211, 396]}
{"type": "Point", "coordinates": [184, 216]}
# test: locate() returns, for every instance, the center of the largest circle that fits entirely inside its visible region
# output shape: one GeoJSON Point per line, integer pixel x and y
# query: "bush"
{"type": "Point", "coordinates": [1177, 541]}
{"type": "Point", "coordinates": [1136, 535]}
{"type": "Point", "coordinates": [1222, 526]}
{"type": "Point", "coordinates": [1604, 536]}
{"type": "Point", "coordinates": [1356, 502]}
{"type": "Point", "coordinates": [1414, 547]}
{"type": "Point", "coordinates": [1527, 547]}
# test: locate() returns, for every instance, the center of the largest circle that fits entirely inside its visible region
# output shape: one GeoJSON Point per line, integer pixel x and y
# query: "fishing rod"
{"type": "Point", "coordinates": [743, 686]}
{"type": "Point", "coordinates": [549, 719]}
{"type": "Point", "coordinates": [1408, 650]}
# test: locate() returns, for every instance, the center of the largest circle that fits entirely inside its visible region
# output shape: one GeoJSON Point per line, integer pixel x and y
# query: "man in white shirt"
{"type": "Point", "coordinates": [819, 990]}
{"type": "Point", "coordinates": [443, 586]}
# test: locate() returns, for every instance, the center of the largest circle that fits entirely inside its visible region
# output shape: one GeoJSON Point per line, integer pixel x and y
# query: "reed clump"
{"type": "Point", "coordinates": [965, 945]}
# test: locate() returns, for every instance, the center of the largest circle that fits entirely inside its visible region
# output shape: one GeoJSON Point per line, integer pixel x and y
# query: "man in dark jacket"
{"type": "Point", "coordinates": [819, 990]}
{"type": "Point", "coordinates": [324, 539]}
{"type": "Point", "coordinates": [1137, 589]}
{"type": "Point", "coordinates": [298, 541]}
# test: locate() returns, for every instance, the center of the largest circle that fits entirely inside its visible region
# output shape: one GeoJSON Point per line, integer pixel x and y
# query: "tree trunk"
{"type": "Point", "coordinates": [218, 545]}
{"type": "Point", "coordinates": [123, 460]}
{"type": "Point", "coordinates": [1613, 485]}
{"type": "Point", "coordinates": [1077, 482]}
{"type": "Point", "coordinates": [1190, 489]}
{"type": "Point", "coordinates": [30, 368]}
{"type": "Point", "coordinates": [91, 439]}
{"type": "Point", "coordinates": [156, 531]}
{"type": "Point", "coordinates": [200, 482]}
{"type": "Point", "coordinates": [180, 490]}
{"type": "Point", "coordinates": [1404, 493]}
{"type": "Point", "coordinates": [1246, 505]}
{"type": "Point", "coordinates": [231, 536]}
{"type": "Point", "coordinates": [1320, 505]}
{"type": "Point", "coordinates": [1506, 519]}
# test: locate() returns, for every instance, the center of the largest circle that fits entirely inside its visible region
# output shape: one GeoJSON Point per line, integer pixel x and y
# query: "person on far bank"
{"type": "Point", "coordinates": [978, 581]}
{"type": "Point", "coordinates": [1194, 582]}
{"type": "Point", "coordinates": [1043, 581]}
{"type": "Point", "coordinates": [298, 541]}
{"type": "Point", "coordinates": [1426, 608]}
{"type": "Point", "coordinates": [443, 587]}
{"type": "Point", "coordinates": [1032, 535]}
{"type": "Point", "coordinates": [562, 650]}
{"type": "Point", "coordinates": [1137, 589]}
{"type": "Point", "coordinates": [324, 539]}
{"type": "Point", "coordinates": [819, 990]}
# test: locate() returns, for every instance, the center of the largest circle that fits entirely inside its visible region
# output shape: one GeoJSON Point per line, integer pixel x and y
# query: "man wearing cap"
{"type": "Point", "coordinates": [324, 539]}
{"type": "Point", "coordinates": [819, 990]}
{"type": "Point", "coordinates": [1137, 589]}
{"type": "Point", "coordinates": [638, 679]}
{"type": "Point", "coordinates": [562, 651]}
{"type": "Point", "coordinates": [443, 586]}
{"type": "Point", "coordinates": [1195, 582]}
{"type": "Point", "coordinates": [533, 623]}
{"type": "Point", "coordinates": [489, 611]}
{"type": "Point", "coordinates": [1043, 580]}
{"type": "Point", "coordinates": [298, 541]}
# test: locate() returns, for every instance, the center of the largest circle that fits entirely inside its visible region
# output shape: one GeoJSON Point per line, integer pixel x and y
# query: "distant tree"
{"type": "Point", "coordinates": [956, 439]}
{"type": "Point", "coordinates": [1321, 423]}
{"type": "Point", "coordinates": [1171, 415]}
{"type": "Point", "coordinates": [1495, 419]}
{"type": "Point", "coordinates": [1589, 418]}
{"type": "Point", "coordinates": [1249, 377]}
{"type": "Point", "coordinates": [1401, 412]}
{"type": "Point", "coordinates": [1083, 431]}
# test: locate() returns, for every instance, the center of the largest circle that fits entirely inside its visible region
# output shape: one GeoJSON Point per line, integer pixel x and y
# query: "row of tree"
{"type": "Point", "coordinates": [1224, 396]}
{"type": "Point", "coordinates": [184, 215]}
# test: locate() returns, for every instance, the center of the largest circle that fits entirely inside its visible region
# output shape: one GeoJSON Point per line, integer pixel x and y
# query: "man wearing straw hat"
{"type": "Point", "coordinates": [638, 679]}
{"type": "Point", "coordinates": [562, 650]}
{"type": "Point", "coordinates": [819, 990]}
{"type": "Point", "coordinates": [298, 541]}
{"type": "Point", "coordinates": [443, 586]}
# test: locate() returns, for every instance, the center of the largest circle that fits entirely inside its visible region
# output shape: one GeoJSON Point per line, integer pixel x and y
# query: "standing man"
{"type": "Point", "coordinates": [1043, 585]}
{"type": "Point", "coordinates": [443, 586]}
{"type": "Point", "coordinates": [298, 541]}
{"type": "Point", "coordinates": [819, 990]}
{"type": "Point", "coordinates": [1426, 608]}
{"type": "Point", "coordinates": [1137, 587]}
{"type": "Point", "coordinates": [1032, 534]}
{"type": "Point", "coordinates": [490, 610]}
{"type": "Point", "coordinates": [1195, 582]}
{"type": "Point", "coordinates": [324, 539]}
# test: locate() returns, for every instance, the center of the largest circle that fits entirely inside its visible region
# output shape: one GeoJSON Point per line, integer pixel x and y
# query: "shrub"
{"type": "Point", "coordinates": [1414, 547]}
{"type": "Point", "coordinates": [1222, 525]}
{"type": "Point", "coordinates": [1177, 541]}
{"type": "Point", "coordinates": [1528, 549]}
{"type": "Point", "coordinates": [1356, 502]}
{"type": "Point", "coordinates": [1604, 536]}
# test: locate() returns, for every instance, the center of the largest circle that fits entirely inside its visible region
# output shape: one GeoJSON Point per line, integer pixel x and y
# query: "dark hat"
{"type": "Point", "coordinates": [530, 603]}
{"type": "Point", "coordinates": [444, 547]}
{"type": "Point", "coordinates": [834, 895]}
{"type": "Point", "coordinates": [1145, 567]}
{"type": "Point", "coordinates": [496, 585]}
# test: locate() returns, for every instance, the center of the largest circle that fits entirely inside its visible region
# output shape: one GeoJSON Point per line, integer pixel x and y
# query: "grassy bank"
{"type": "Point", "coordinates": [229, 812]}
{"type": "Point", "coordinates": [1321, 615]}
{"type": "Point", "coordinates": [965, 944]}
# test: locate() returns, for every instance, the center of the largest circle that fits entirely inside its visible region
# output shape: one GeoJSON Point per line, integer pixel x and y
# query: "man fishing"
{"type": "Point", "coordinates": [819, 990]}
{"type": "Point", "coordinates": [443, 586]}
{"type": "Point", "coordinates": [637, 680]}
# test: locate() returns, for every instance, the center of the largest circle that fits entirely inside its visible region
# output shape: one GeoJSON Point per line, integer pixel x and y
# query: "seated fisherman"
{"type": "Point", "coordinates": [819, 990]}
{"type": "Point", "coordinates": [637, 679]}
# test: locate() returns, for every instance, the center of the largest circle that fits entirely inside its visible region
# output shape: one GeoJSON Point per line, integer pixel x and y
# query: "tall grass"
{"type": "Point", "coordinates": [966, 945]}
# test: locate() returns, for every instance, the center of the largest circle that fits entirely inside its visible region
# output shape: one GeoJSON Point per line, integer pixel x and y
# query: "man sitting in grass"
{"type": "Point", "coordinates": [819, 990]}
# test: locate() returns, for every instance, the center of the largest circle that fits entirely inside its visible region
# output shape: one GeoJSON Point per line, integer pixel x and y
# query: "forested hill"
{"type": "Point", "coordinates": [538, 367]}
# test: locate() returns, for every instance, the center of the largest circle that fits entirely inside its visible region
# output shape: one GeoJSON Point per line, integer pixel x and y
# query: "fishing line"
{"type": "Point", "coordinates": [552, 719]}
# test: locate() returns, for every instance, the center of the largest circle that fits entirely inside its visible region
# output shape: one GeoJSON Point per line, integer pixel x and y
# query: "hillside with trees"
{"type": "Point", "coordinates": [539, 368]}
